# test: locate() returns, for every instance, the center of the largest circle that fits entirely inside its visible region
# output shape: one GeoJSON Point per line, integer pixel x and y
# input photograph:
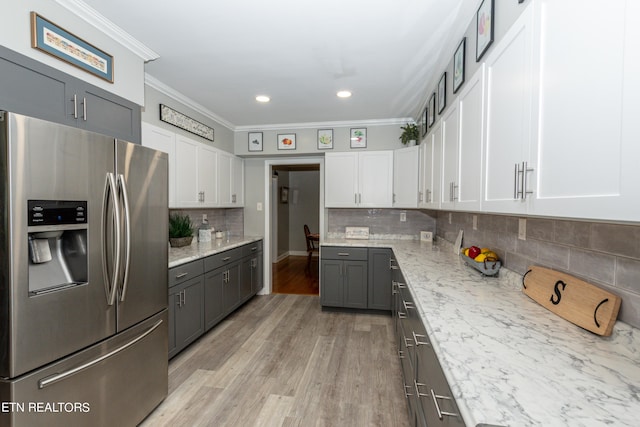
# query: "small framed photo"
{"type": "Point", "coordinates": [255, 141]}
{"type": "Point", "coordinates": [484, 28]}
{"type": "Point", "coordinates": [286, 141]}
{"type": "Point", "coordinates": [432, 109]}
{"type": "Point", "coordinates": [424, 121]}
{"type": "Point", "coordinates": [458, 66]}
{"type": "Point", "coordinates": [442, 92]}
{"type": "Point", "coordinates": [359, 138]}
{"type": "Point", "coordinates": [284, 195]}
{"type": "Point", "coordinates": [325, 139]}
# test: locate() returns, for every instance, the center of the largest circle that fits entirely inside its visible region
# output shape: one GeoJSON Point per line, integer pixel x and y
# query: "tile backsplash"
{"type": "Point", "coordinates": [605, 254]}
{"type": "Point", "coordinates": [231, 219]}
{"type": "Point", "coordinates": [382, 223]}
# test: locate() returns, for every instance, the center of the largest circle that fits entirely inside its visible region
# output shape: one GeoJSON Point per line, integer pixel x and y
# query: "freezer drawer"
{"type": "Point", "coordinates": [124, 379]}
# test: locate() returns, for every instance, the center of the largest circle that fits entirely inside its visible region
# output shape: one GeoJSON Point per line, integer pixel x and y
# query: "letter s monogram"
{"type": "Point", "coordinates": [555, 299]}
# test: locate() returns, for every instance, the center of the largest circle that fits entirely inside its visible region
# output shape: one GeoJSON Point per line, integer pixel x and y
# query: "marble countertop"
{"type": "Point", "coordinates": [197, 250]}
{"type": "Point", "coordinates": [508, 360]}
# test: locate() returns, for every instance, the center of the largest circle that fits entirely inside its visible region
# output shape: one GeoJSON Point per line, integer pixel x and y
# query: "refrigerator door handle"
{"type": "Point", "coordinates": [111, 283]}
{"type": "Point", "coordinates": [45, 382]}
{"type": "Point", "coordinates": [122, 185]}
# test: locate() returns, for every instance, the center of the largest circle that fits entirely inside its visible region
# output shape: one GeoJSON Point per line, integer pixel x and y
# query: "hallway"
{"type": "Point", "coordinates": [291, 276]}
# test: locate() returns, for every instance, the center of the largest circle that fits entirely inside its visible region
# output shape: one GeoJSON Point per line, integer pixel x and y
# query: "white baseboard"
{"type": "Point", "coordinates": [293, 253]}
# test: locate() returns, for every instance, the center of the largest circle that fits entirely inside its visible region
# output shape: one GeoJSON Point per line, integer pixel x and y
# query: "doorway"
{"type": "Point", "coordinates": [295, 197]}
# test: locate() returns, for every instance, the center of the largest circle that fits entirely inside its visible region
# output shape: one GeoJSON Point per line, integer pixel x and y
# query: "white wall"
{"type": "Point", "coordinates": [15, 34]}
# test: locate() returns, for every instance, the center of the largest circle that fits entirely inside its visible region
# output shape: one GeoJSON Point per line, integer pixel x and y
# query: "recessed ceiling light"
{"type": "Point", "coordinates": [263, 98]}
{"type": "Point", "coordinates": [344, 94]}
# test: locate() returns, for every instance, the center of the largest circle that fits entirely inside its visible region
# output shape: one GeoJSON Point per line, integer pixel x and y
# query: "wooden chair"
{"type": "Point", "coordinates": [311, 245]}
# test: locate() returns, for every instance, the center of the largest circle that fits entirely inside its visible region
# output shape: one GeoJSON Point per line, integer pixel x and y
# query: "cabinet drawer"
{"type": "Point", "coordinates": [344, 253]}
{"type": "Point", "coordinates": [252, 248]}
{"type": "Point", "coordinates": [185, 272]}
{"type": "Point", "coordinates": [218, 260]}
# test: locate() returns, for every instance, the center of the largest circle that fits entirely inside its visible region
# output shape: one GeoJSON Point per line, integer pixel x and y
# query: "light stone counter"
{"type": "Point", "coordinates": [508, 360]}
{"type": "Point", "coordinates": [185, 254]}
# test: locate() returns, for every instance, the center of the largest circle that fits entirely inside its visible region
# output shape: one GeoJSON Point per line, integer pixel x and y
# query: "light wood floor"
{"type": "Point", "coordinates": [282, 361]}
{"type": "Point", "coordinates": [292, 276]}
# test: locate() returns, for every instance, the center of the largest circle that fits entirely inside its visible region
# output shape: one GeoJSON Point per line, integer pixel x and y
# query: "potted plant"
{"type": "Point", "coordinates": [409, 133]}
{"type": "Point", "coordinates": [180, 230]}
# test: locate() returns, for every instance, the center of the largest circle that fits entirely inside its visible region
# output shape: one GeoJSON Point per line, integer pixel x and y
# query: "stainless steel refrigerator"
{"type": "Point", "coordinates": [83, 276]}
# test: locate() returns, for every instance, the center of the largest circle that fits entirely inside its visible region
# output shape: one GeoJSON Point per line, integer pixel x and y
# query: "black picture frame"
{"type": "Point", "coordinates": [459, 65]}
{"type": "Point", "coordinates": [432, 109]}
{"type": "Point", "coordinates": [484, 27]}
{"type": "Point", "coordinates": [424, 121]}
{"type": "Point", "coordinates": [442, 93]}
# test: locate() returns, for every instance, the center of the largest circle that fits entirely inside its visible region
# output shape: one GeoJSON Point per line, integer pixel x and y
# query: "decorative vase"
{"type": "Point", "coordinates": [178, 242]}
{"type": "Point", "coordinates": [412, 142]}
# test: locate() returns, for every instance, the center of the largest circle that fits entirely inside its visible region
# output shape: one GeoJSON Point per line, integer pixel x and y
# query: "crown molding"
{"type": "Point", "coordinates": [320, 125]}
{"type": "Point", "coordinates": [92, 17]}
{"type": "Point", "coordinates": [156, 84]}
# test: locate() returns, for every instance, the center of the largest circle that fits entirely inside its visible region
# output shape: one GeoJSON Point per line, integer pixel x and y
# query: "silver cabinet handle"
{"type": "Point", "coordinates": [253, 249]}
{"type": "Point", "coordinates": [61, 376]}
{"type": "Point", "coordinates": [343, 253]}
{"type": "Point", "coordinates": [184, 297]}
{"type": "Point", "coordinates": [122, 185]}
{"type": "Point", "coordinates": [394, 287]}
{"type": "Point", "coordinates": [402, 285]}
{"type": "Point", "coordinates": [407, 342]}
{"type": "Point", "coordinates": [416, 385]}
{"type": "Point", "coordinates": [181, 275]}
{"type": "Point", "coordinates": [225, 259]}
{"type": "Point", "coordinates": [179, 299]}
{"type": "Point", "coordinates": [417, 341]}
{"type": "Point", "coordinates": [435, 398]}
{"type": "Point", "coordinates": [393, 200]}
{"type": "Point", "coordinates": [516, 170]}
{"type": "Point", "coordinates": [233, 198]}
{"type": "Point", "coordinates": [359, 197]}
{"type": "Point", "coordinates": [84, 109]}
{"type": "Point", "coordinates": [525, 169]}
{"type": "Point", "coordinates": [75, 106]}
{"type": "Point", "coordinates": [428, 196]}
{"type": "Point", "coordinates": [355, 198]}
{"type": "Point", "coordinates": [455, 192]}
{"type": "Point", "coordinates": [408, 305]}
{"type": "Point", "coordinates": [400, 354]}
{"type": "Point", "coordinates": [406, 393]}
{"type": "Point", "coordinates": [402, 315]}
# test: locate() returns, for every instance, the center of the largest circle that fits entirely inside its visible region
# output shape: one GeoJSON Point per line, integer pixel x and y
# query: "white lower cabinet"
{"type": "Point", "coordinates": [363, 179]}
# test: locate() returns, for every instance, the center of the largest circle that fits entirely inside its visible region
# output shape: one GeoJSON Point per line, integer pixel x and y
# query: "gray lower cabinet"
{"type": "Point", "coordinates": [34, 89]}
{"type": "Point", "coordinates": [343, 273]}
{"type": "Point", "coordinates": [379, 296]}
{"type": "Point", "coordinates": [186, 314]}
{"type": "Point", "coordinates": [214, 310]}
{"type": "Point", "coordinates": [429, 398]}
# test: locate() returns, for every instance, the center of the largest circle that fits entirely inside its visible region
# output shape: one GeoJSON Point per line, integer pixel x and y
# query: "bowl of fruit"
{"type": "Point", "coordinates": [484, 260]}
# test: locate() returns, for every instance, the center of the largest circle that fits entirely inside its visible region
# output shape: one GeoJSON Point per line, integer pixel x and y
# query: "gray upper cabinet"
{"type": "Point", "coordinates": [31, 88]}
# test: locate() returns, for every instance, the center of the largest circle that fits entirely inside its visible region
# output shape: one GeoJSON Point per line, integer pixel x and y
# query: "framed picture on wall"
{"type": "Point", "coordinates": [255, 141]}
{"type": "Point", "coordinates": [325, 139]}
{"type": "Point", "coordinates": [424, 121]}
{"type": "Point", "coordinates": [284, 194]}
{"type": "Point", "coordinates": [442, 92]}
{"type": "Point", "coordinates": [484, 28]}
{"type": "Point", "coordinates": [359, 138]}
{"type": "Point", "coordinates": [458, 66]}
{"type": "Point", "coordinates": [286, 141]}
{"type": "Point", "coordinates": [432, 109]}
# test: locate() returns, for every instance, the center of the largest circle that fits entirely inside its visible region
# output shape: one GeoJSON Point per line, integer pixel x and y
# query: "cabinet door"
{"type": "Point", "coordinates": [207, 176]}
{"type": "Point", "coordinates": [106, 113]}
{"type": "Point", "coordinates": [163, 140]}
{"type": "Point", "coordinates": [258, 274]}
{"type": "Point", "coordinates": [231, 288]}
{"type": "Point", "coordinates": [213, 294]}
{"type": "Point", "coordinates": [450, 185]}
{"type": "Point", "coordinates": [237, 182]}
{"type": "Point", "coordinates": [406, 174]}
{"type": "Point", "coordinates": [225, 161]}
{"type": "Point", "coordinates": [432, 161]}
{"type": "Point", "coordinates": [375, 179]}
{"type": "Point", "coordinates": [174, 302]}
{"type": "Point", "coordinates": [355, 285]}
{"type": "Point", "coordinates": [508, 109]}
{"type": "Point", "coordinates": [469, 167]}
{"type": "Point", "coordinates": [340, 180]}
{"type": "Point", "coordinates": [379, 279]}
{"type": "Point", "coordinates": [331, 292]}
{"type": "Point", "coordinates": [189, 315]}
{"type": "Point", "coordinates": [186, 173]}
{"type": "Point", "coordinates": [246, 277]}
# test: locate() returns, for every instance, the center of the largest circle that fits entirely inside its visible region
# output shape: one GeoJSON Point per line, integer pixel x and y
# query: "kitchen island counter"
{"type": "Point", "coordinates": [197, 250]}
{"type": "Point", "coordinates": [508, 360]}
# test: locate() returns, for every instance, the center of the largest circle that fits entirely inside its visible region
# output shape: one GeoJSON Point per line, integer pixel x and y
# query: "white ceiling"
{"type": "Point", "coordinates": [221, 54]}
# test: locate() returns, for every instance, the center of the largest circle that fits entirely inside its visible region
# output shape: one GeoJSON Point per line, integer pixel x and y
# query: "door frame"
{"type": "Point", "coordinates": [266, 290]}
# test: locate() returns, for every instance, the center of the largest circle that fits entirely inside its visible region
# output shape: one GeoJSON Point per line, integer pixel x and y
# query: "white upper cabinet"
{"type": "Point", "coordinates": [231, 178]}
{"type": "Point", "coordinates": [406, 164]}
{"type": "Point", "coordinates": [207, 176]}
{"type": "Point", "coordinates": [430, 169]}
{"type": "Point", "coordinates": [588, 102]}
{"type": "Point", "coordinates": [188, 194]}
{"type": "Point", "coordinates": [450, 184]}
{"type": "Point", "coordinates": [162, 140]}
{"type": "Point", "coordinates": [361, 179]}
{"type": "Point", "coordinates": [508, 119]}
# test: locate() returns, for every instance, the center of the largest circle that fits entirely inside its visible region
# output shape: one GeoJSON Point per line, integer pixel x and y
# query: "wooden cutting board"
{"type": "Point", "coordinates": [575, 300]}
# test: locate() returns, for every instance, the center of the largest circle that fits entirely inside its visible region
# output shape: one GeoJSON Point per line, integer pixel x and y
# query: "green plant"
{"type": "Point", "coordinates": [180, 226]}
{"type": "Point", "coordinates": [409, 133]}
